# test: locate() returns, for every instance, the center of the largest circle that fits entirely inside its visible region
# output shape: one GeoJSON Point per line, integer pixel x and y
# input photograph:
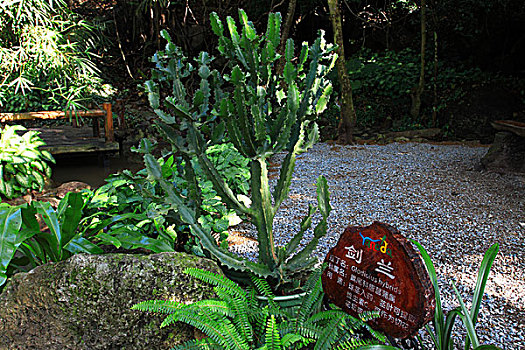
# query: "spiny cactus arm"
{"type": "Point", "coordinates": [273, 29]}
{"type": "Point", "coordinates": [263, 214]}
{"type": "Point", "coordinates": [222, 188]}
{"type": "Point", "coordinates": [315, 56]}
{"type": "Point", "coordinates": [208, 242]}
{"type": "Point", "coordinates": [306, 223]}
{"type": "Point", "coordinates": [230, 122]}
{"type": "Point", "coordinates": [250, 44]}
{"type": "Point", "coordinates": [194, 190]}
{"type": "Point", "coordinates": [243, 122]}
{"type": "Point", "coordinates": [258, 104]}
{"type": "Point", "coordinates": [236, 40]}
{"type": "Point", "coordinates": [303, 56]}
{"type": "Point", "coordinates": [167, 131]}
{"type": "Point", "coordinates": [303, 258]}
{"type": "Point", "coordinates": [285, 177]}
{"type": "Point", "coordinates": [321, 100]}
{"type": "Point", "coordinates": [152, 90]}
{"type": "Point", "coordinates": [281, 130]}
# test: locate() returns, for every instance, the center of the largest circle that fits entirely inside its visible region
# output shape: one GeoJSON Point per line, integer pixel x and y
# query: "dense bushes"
{"type": "Point", "coordinates": [45, 57]}
{"type": "Point", "coordinates": [382, 84]}
{"type": "Point", "coordinates": [23, 166]}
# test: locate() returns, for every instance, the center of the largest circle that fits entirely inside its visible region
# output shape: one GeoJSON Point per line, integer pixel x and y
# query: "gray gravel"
{"type": "Point", "coordinates": [437, 195]}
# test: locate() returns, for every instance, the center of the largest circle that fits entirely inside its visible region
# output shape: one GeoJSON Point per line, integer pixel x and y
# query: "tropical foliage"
{"type": "Point", "coordinates": [266, 113]}
{"type": "Point", "coordinates": [443, 324]}
{"type": "Point", "coordinates": [136, 193]}
{"type": "Point", "coordinates": [43, 234]}
{"type": "Point", "coordinates": [238, 320]}
{"type": "Point", "coordinates": [45, 57]}
{"type": "Point", "coordinates": [23, 165]}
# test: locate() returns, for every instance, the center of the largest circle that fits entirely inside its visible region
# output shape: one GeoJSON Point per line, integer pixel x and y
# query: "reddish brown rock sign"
{"type": "Point", "coordinates": [376, 268]}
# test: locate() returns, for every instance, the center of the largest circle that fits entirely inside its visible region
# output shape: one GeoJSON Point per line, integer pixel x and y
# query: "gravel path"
{"type": "Point", "coordinates": [437, 195]}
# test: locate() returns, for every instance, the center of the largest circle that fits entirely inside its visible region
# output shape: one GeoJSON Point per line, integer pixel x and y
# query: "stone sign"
{"type": "Point", "coordinates": [376, 268]}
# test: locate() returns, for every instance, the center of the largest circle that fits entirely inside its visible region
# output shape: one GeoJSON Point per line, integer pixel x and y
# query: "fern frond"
{"type": "Point", "coordinates": [220, 307]}
{"type": "Point", "coordinates": [369, 315]}
{"type": "Point", "coordinates": [262, 286]}
{"type": "Point", "coordinates": [315, 276]}
{"type": "Point", "coordinates": [311, 302]}
{"type": "Point", "coordinates": [331, 332]}
{"type": "Point", "coordinates": [216, 326]}
{"type": "Point", "coordinates": [361, 323]}
{"type": "Point", "coordinates": [309, 331]}
{"type": "Point", "coordinates": [158, 306]}
{"type": "Point", "coordinates": [273, 338]}
{"type": "Point", "coordinates": [289, 339]}
{"type": "Point", "coordinates": [241, 318]}
{"type": "Point", "coordinates": [354, 344]}
{"type": "Point", "coordinates": [325, 317]}
{"type": "Point", "coordinates": [203, 344]}
{"type": "Point", "coordinates": [215, 279]}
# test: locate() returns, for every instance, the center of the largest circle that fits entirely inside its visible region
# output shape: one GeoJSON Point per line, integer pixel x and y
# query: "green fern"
{"type": "Point", "coordinates": [158, 306]}
{"type": "Point", "coordinates": [354, 344]}
{"type": "Point", "coordinates": [236, 320]}
{"type": "Point", "coordinates": [203, 344]}
{"type": "Point", "coordinates": [273, 338]}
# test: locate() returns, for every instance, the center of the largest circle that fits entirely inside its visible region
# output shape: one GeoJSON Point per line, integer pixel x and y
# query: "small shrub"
{"type": "Point", "coordinates": [23, 165]}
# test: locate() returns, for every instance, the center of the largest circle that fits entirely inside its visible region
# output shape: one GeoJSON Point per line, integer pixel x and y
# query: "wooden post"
{"type": "Point", "coordinates": [110, 134]}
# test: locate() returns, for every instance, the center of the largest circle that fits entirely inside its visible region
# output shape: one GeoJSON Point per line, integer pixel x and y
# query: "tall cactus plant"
{"type": "Point", "coordinates": [262, 113]}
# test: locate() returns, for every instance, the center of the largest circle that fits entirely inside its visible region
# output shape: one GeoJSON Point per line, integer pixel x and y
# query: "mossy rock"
{"type": "Point", "coordinates": [84, 302]}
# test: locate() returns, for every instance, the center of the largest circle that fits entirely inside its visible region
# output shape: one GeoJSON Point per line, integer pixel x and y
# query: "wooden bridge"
{"type": "Point", "coordinates": [75, 138]}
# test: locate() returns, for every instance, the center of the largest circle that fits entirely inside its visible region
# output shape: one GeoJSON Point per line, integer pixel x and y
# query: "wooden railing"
{"type": "Point", "coordinates": [94, 114]}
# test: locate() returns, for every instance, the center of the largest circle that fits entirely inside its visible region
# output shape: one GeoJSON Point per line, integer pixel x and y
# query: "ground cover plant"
{"type": "Point", "coordinates": [42, 234]}
{"type": "Point", "coordinates": [129, 192]}
{"type": "Point", "coordinates": [23, 164]}
{"type": "Point", "coordinates": [265, 113]}
{"type": "Point", "coordinates": [236, 319]}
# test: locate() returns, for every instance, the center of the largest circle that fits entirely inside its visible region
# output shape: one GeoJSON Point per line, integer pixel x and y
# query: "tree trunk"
{"type": "Point", "coordinates": [286, 33]}
{"type": "Point", "coordinates": [348, 117]}
{"type": "Point", "coordinates": [418, 90]}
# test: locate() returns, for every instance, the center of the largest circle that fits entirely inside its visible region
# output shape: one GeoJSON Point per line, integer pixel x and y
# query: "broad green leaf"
{"type": "Point", "coordinates": [10, 236]}
{"type": "Point", "coordinates": [54, 237]}
{"type": "Point", "coordinates": [72, 215]}
{"type": "Point", "coordinates": [79, 244]}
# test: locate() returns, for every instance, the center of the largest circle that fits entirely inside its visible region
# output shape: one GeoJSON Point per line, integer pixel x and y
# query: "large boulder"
{"type": "Point", "coordinates": [84, 302]}
{"type": "Point", "coordinates": [507, 153]}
